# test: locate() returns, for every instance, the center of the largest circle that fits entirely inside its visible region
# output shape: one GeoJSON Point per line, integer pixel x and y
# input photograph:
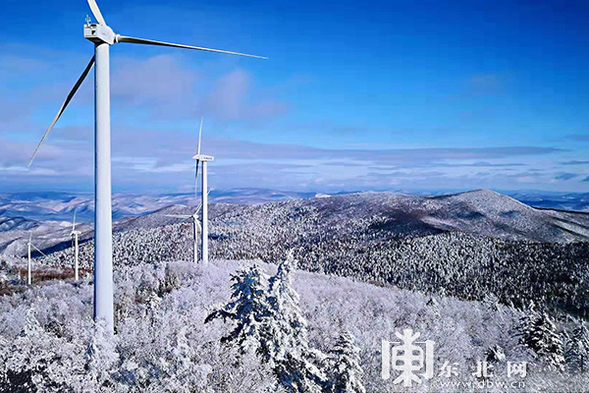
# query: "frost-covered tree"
{"type": "Point", "coordinates": [284, 302]}
{"type": "Point", "coordinates": [269, 322]}
{"type": "Point", "coordinates": [538, 332]}
{"type": "Point", "coordinates": [38, 361]}
{"type": "Point", "coordinates": [577, 348]}
{"type": "Point", "coordinates": [249, 309]}
{"type": "Point", "coordinates": [26, 365]}
{"type": "Point", "coordinates": [292, 357]}
{"type": "Point", "coordinates": [346, 370]}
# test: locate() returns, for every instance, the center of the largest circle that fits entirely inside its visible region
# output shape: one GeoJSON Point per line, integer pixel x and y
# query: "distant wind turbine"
{"type": "Point", "coordinates": [103, 37]}
{"type": "Point", "coordinates": [29, 268]}
{"type": "Point", "coordinates": [201, 158]}
{"type": "Point", "coordinates": [196, 226]}
{"type": "Point", "coordinates": [75, 235]}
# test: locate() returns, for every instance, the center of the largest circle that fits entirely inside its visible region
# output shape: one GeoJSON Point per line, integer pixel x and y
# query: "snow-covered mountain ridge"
{"type": "Point", "coordinates": [470, 244]}
{"type": "Point", "coordinates": [480, 212]}
{"type": "Point", "coordinates": [60, 205]}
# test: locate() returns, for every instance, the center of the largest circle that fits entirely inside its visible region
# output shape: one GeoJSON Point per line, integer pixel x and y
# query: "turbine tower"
{"type": "Point", "coordinates": [204, 244]}
{"type": "Point", "coordinates": [75, 235]}
{"type": "Point", "coordinates": [103, 37]}
{"type": "Point", "coordinates": [29, 266]}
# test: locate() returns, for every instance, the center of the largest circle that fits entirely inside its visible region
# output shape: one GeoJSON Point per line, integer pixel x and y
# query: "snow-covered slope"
{"type": "Point", "coordinates": [488, 213]}
{"type": "Point", "coordinates": [480, 212]}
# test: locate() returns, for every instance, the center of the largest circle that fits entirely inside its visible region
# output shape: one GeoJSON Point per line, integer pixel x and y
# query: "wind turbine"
{"type": "Point", "coordinates": [103, 37]}
{"type": "Point", "coordinates": [29, 268]}
{"type": "Point", "coordinates": [196, 226]}
{"type": "Point", "coordinates": [75, 235]}
{"type": "Point", "coordinates": [204, 244]}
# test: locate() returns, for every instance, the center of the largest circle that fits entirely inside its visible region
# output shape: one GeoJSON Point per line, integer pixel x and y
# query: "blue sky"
{"type": "Point", "coordinates": [409, 96]}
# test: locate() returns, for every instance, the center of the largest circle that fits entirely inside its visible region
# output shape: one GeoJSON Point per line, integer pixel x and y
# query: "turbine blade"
{"type": "Point", "coordinates": [74, 224]}
{"type": "Point", "coordinates": [41, 252]}
{"type": "Point", "coordinates": [199, 137]}
{"type": "Point", "coordinates": [134, 40]}
{"type": "Point", "coordinates": [63, 106]}
{"type": "Point", "coordinates": [200, 204]}
{"type": "Point", "coordinates": [96, 12]}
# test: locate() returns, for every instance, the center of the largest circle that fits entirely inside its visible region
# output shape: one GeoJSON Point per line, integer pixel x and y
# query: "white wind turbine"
{"type": "Point", "coordinates": [29, 267]}
{"type": "Point", "coordinates": [103, 37]}
{"type": "Point", "coordinates": [196, 226]}
{"type": "Point", "coordinates": [204, 244]}
{"type": "Point", "coordinates": [75, 235]}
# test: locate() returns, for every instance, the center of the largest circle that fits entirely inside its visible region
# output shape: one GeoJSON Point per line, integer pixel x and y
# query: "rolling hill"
{"type": "Point", "coordinates": [480, 212]}
{"type": "Point", "coordinates": [468, 245]}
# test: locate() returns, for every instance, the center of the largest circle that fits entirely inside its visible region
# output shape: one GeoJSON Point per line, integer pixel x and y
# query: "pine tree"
{"type": "Point", "coordinates": [347, 372]}
{"type": "Point", "coordinates": [577, 348]}
{"type": "Point", "coordinates": [538, 332]}
{"type": "Point", "coordinates": [271, 324]}
{"type": "Point", "coordinates": [249, 309]}
{"type": "Point", "coordinates": [284, 302]}
{"type": "Point", "coordinates": [290, 353]}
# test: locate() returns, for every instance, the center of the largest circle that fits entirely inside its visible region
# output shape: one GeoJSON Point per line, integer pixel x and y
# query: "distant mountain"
{"type": "Point", "coordinates": [479, 212]}
{"type": "Point", "coordinates": [553, 200]}
{"type": "Point", "coordinates": [59, 206]}
{"type": "Point", "coordinates": [487, 213]}
{"type": "Point", "coordinates": [9, 224]}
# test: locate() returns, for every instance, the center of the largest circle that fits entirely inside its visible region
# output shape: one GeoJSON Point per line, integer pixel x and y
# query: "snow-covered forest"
{"type": "Point", "coordinates": [162, 343]}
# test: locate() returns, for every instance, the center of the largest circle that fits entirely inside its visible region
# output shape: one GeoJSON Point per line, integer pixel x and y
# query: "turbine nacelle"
{"type": "Point", "coordinates": [202, 157]}
{"type": "Point", "coordinates": [99, 34]}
